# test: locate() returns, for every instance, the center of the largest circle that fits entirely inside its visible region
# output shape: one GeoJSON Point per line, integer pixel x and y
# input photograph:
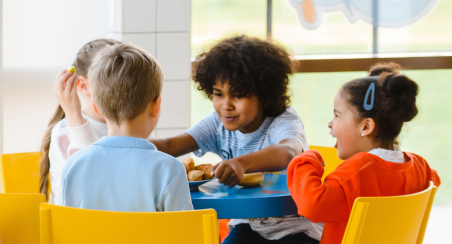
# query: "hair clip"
{"type": "Point", "coordinates": [372, 98]}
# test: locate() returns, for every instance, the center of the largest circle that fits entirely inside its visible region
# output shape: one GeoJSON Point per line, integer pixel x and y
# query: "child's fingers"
{"type": "Point", "coordinates": [213, 169]}
{"type": "Point", "coordinates": [60, 83]}
{"type": "Point", "coordinates": [69, 84]}
{"type": "Point", "coordinates": [224, 178]}
{"type": "Point", "coordinates": [74, 84]}
{"type": "Point", "coordinates": [234, 183]}
{"type": "Point", "coordinates": [229, 179]}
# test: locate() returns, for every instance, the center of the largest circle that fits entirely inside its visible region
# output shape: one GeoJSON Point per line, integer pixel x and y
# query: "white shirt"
{"type": "Point", "coordinates": [65, 141]}
{"type": "Point", "coordinates": [394, 156]}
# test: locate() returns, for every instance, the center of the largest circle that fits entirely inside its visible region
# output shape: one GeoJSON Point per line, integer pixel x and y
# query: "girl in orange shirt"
{"type": "Point", "coordinates": [368, 116]}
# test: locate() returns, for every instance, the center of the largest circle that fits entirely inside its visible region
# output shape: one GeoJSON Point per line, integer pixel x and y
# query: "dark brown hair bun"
{"type": "Point", "coordinates": [379, 68]}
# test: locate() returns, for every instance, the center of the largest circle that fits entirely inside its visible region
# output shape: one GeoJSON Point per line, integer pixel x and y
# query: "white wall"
{"type": "Point", "coordinates": [41, 37]}
{"type": "Point", "coordinates": [161, 27]}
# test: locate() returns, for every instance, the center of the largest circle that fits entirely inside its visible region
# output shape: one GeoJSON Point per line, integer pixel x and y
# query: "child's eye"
{"type": "Point", "coordinates": [238, 96]}
{"type": "Point", "coordinates": [218, 94]}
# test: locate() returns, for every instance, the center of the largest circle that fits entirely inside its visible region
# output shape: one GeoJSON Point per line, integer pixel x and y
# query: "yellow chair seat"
{"type": "Point", "coordinates": [19, 218]}
{"type": "Point", "coordinates": [20, 172]}
{"type": "Point", "coordinates": [66, 225]}
{"type": "Point", "coordinates": [330, 157]}
{"type": "Point", "coordinates": [390, 220]}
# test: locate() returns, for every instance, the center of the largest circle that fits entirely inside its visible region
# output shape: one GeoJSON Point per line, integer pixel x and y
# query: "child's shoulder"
{"type": "Point", "coordinates": [354, 165]}
{"type": "Point", "coordinates": [289, 113]}
{"type": "Point", "coordinates": [154, 158]}
{"type": "Point", "coordinates": [170, 160]}
{"type": "Point", "coordinates": [415, 157]}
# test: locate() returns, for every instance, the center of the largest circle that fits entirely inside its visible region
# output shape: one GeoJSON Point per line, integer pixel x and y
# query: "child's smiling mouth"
{"type": "Point", "coordinates": [334, 136]}
{"type": "Point", "coordinates": [229, 118]}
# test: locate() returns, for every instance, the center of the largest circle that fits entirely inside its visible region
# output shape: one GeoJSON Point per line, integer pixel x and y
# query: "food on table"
{"type": "Point", "coordinates": [189, 164]}
{"type": "Point", "coordinates": [252, 179]}
{"type": "Point", "coordinates": [207, 169]}
{"type": "Point", "coordinates": [195, 175]}
{"type": "Point", "coordinates": [71, 69]}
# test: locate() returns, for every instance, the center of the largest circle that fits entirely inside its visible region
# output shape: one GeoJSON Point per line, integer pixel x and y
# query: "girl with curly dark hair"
{"type": "Point", "coordinates": [369, 114]}
{"type": "Point", "coordinates": [253, 129]}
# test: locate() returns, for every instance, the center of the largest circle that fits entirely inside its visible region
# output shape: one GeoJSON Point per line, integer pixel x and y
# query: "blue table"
{"type": "Point", "coordinates": [270, 198]}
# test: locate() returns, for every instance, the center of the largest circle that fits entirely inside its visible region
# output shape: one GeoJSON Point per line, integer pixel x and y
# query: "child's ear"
{"type": "Point", "coordinates": [96, 111]}
{"type": "Point", "coordinates": [368, 126]}
{"type": "Point", "coordinates": [83, 86]}
{"type": "Point", "coordinates": [156, 107]}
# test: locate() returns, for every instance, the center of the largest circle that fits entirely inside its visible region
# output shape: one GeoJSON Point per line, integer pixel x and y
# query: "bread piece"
{"type": "Point", "coordinates": [189, 163]}
{"type": "Point", "coordinates": [252, 179]}
{"type": "Point", "coordinates": [207, 169]}
{"type": "Point", "coordinates": [187, 169]}
{"type": "Point", "coordinates": [195, 175]}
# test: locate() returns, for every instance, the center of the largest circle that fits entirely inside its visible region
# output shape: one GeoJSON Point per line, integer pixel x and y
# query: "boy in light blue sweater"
{"type": "Point", "coordinates": [124, 171]}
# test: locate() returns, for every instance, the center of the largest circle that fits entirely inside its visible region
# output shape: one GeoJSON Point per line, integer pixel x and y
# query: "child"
{"type": "Point", "coordinates": [124, 171]}
{"type": "Point", "coordinates": [66, 131]}
{"type": "Point", "coordinates": [253, 129]}
{"type": "Point", "coordinates": [368, 116]}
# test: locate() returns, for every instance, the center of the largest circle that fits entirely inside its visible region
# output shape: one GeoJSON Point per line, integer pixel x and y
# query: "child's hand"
{"type": "Point", "coordinates": [65, 90]}
{"type": "Point", "coordinates": [229, 172]}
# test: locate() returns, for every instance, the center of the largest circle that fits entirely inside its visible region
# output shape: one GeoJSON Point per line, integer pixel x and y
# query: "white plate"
{"type": "Point", "coordinates": [194, 184]}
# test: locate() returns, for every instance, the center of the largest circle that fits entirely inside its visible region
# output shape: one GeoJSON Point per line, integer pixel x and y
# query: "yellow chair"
{"type": "Point", "coordinates": [20, 172]}
{"type": "Point", "coordinates": [19, 217]}
{"type": "Point", "coordinates": [390, 220]}
{"type": "Point", "coordinates": [330, 157]}
{"type": "Point", "coordinates": [74, 226]}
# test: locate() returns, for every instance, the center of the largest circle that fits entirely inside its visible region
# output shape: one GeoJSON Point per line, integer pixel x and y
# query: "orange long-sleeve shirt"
{"type": "Point", "coordinates": [363, 175]}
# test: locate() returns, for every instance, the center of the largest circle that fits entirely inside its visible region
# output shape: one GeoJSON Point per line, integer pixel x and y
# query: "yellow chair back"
{"type": "Point", "coordinates": [20, 172]}
{"type": "Point", "coordinates": [19, 218]}
{"type": "Point", "coordinates": [390, 220]}
{"type": "Point", "coordinates": [330, 157]}
{"type": "Point", "coordinates": [74, 226]}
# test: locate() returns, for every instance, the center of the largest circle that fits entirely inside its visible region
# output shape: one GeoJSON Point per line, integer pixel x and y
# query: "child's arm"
{"type": "Point", "coordinates": [318, 202]}
{"type": "Point", "coordinates": [79, 128]}
{"type": "Point", "coordinates": [176, 146]}
{"type": "Point", "coordinates": [272, 158]}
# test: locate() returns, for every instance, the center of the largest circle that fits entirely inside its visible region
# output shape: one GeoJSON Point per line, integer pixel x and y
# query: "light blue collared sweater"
{"type": "Point", "coordinates": [125, 174]}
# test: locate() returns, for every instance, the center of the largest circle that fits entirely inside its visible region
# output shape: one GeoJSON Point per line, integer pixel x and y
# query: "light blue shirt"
{"type": "Point", "coordinates": [125, 174]}
{"type": "Point", "coordinates": [211, 136]}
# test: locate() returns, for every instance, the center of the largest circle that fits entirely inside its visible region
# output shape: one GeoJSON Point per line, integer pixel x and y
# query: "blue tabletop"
{"type": "Point", "coordinates": [270, 198]}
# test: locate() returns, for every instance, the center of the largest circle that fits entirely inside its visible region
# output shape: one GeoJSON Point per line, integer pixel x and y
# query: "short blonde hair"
{"type": "Point", "coordinates": [124, 80]}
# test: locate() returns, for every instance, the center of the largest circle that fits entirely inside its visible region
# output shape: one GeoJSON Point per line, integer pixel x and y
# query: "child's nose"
{"type": "Point", "coordinates": [227, 103]}
{"type": "Point", "coordinates": [330, 124]}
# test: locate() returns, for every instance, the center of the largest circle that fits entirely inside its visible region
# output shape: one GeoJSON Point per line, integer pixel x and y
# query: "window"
{"type": "Point", "coordinates": [426, 135]}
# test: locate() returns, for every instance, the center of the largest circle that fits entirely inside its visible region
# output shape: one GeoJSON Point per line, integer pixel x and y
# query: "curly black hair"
{"type": "Point", "coordinates": [251, 66]}
{"type": "Point", "coordinates": [395, 100]}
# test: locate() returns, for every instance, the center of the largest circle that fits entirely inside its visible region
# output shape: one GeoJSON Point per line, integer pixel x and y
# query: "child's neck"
{"type": "Point", "coordinates": [138, 127]}
{"type": "Point", "coordinates": [370, 146]}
